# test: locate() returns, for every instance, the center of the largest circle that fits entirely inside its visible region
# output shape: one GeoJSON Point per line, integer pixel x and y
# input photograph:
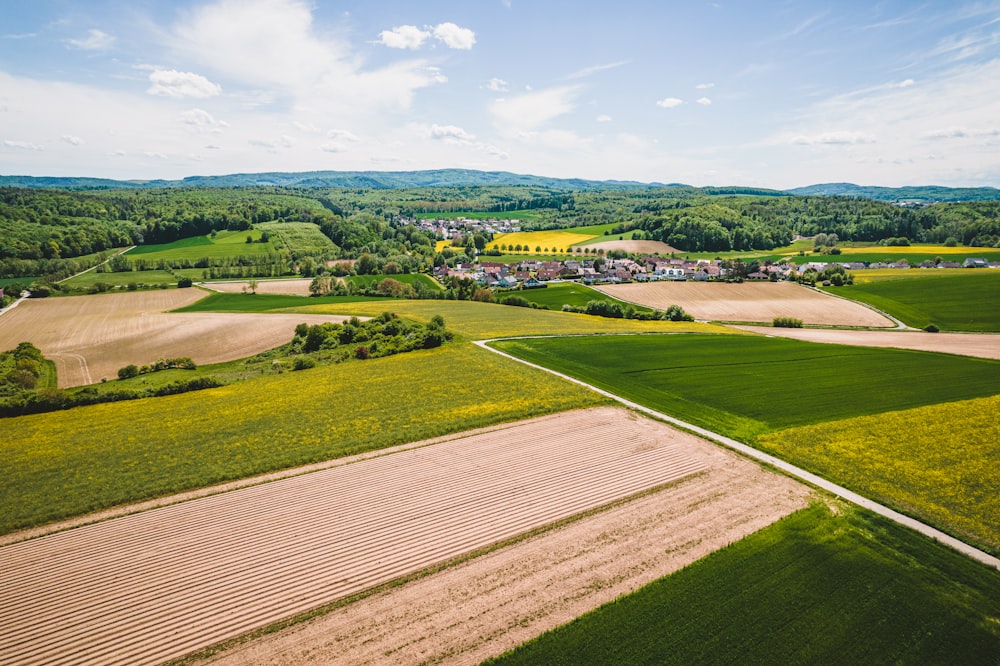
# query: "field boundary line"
{"type": "Point", "coordinates": [760, 456]}
{"type": "Point", "coordinates": [900, 326]}
{"type": "Point", "coordinates": [94, 267]}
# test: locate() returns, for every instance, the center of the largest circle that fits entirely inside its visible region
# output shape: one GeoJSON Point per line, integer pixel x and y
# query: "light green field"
{"type": "Point", "coordinates": [225, 244]}
{"type": "Point", "coordinates": [299, 238]}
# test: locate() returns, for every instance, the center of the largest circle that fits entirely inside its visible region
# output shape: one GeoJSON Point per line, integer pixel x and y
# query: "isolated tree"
{"type": "Point", "coordinates": [252, 285]}
{"type": "Point", "coordinates": [321, 284]}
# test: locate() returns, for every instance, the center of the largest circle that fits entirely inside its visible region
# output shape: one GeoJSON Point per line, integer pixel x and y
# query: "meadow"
{"type": "Point", "coordinates": [939, 462]}
{"type": "Point", "coordinates": [299, 238]}
{"type": "Point", "coordinates": [68, 463]}
{"type": "Point", "coordinates": [225, 244]}
{"type": "Point", "coordinates": [557, 294]}
{"type": "Point", "coordinates": [408, 278]}
{"type": "Point", "coordinates": [967, 301]}
{"type": "Point", "coordinates": [749, 388]}
{"type": "Point", "coordinates": [818, 587]}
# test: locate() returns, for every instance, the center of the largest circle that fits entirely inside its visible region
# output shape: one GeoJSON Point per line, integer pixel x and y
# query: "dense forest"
{"type": "Point", "coordinates": [54, 233]}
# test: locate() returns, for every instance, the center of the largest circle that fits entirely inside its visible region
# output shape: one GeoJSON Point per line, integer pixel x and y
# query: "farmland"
{"type": "Point", "coordinates": [937, 461]}
{"type": "Point", "coordinates": [557, 294]}
{"type": "Point", "coordinates": [223, 244]}
{"type": "Point", "coordinates": [816, 587]}
{"type": "Point", "coordinates": [749, 301]}
{"type": "Point", "coordinates": [67, 463]}
{"type": "Point", "coordinates": [968, 301]}
{"type": "Point", "coordinates": [698, 380]}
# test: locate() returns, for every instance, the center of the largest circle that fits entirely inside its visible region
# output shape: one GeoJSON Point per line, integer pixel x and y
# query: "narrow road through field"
{"type": "Point", "coordinates": [798, 472]}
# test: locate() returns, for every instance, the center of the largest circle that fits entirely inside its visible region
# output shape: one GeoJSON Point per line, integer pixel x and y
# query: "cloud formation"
{"type": "Point", "coordinates": [838, 138]}
{"type": "Point", "coordinates": [96, 40]}
{"type": "Point", "coordinates": [412, 37]}
{"type": "Point", "coordinates": [669, 102]}
{"type": "Point", "coordinates": [171, 83]}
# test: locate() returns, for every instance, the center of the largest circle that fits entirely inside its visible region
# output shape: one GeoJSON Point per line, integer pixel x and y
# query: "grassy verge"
{"type": "Point", "coordinates": [814, 588]}
{"type": "Point", "coordinates": [63, 464]}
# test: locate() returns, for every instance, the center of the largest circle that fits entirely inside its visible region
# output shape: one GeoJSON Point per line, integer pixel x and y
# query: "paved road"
{"type": "Point", "coordinates": [797, 472]}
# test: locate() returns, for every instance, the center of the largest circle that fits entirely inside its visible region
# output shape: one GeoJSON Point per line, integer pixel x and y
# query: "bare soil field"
{"type": "Point", "coordinates": [982, 345]}
{"type": "Point", "coordinates": [642, 247]}
{"type": "Point", "coordinates": [748, 301]}
{"type": "Point", "coordinates": [157, 585]}
{"type": "Point", "coordinates": [91, 337]}
{"type": "Point", "coordinates": [295, 287]}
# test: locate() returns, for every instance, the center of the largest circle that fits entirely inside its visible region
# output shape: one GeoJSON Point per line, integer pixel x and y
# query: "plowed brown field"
{"type": "Point", "coordinates": [295, 287]}
{"type": "Point", "coordinates": [156, 585]}
{"type": "Point", "coordinates": [642, 247]}
{"type": "Point", "coordinates": [91, 337]}
{"type": "Point", "coordinates": [748, 301]}
{"type": "Point", "coordinates": [982, 345]}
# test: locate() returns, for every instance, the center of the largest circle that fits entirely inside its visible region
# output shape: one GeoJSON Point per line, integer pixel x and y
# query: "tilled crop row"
{"type": "Point", "coordinates": [157, 585]}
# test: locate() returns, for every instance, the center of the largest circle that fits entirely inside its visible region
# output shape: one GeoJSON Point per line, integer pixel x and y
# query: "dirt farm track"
{"type": "Point", "coordinates": [91, 337]}
{"type": "Point", "coordinates": [156, 585]}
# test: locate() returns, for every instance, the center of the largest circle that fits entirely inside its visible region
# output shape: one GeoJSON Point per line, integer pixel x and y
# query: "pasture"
{"type": "Point", "coordinates": [968, 301]}
{"type": "Point", "coordinates": [225, 244]}
{"type": "Point", "coordinates": [68, 463]}
{"type": "Point", "coordinates": [818, 587]}
{"type": "Point", "coordinates": [299, 238]}
{"type": "Point", "coordinates": [557, 294]}
{"type": "Point", "coordinates": [748, 302]}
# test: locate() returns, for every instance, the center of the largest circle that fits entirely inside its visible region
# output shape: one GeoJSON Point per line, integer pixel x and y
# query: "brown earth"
{"type": "Point", "coordinates": [156, 585]}
{"type": "Point", "coordinates": [91, 337]}
{"type": "Point", "coordinates": [748, 301]}
{"type": "Point", "coordinates": [639, 246]}
{"type": "Point", "coordinates": [295, 287]}
{"type": "Point", "coordinates": [982, 345]}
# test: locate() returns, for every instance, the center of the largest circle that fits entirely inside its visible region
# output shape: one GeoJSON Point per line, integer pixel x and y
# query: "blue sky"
{"type": "Point", "coordinates": [771, 93]}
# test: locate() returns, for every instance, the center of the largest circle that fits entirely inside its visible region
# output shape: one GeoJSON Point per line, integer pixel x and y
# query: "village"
{"type": "Point", "coordinates": [535, 273]}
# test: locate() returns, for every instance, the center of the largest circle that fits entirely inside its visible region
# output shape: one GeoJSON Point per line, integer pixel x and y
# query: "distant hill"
{"type": "Point", "coordinates": [334, 179]}
{"type": "Point", "coordinates": [922, 194]}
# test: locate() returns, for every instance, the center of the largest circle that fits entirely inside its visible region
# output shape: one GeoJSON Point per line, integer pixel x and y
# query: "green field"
{"type": "Point", "coordinates": [557, 294]}
{"type": "Point", "coordinates": [814, 588]}
{"type": "Point", "coordinates": [407, 278]}
{"type": "Point", "coordinates": [967, 301]}
{"type": "Point", "coordinates": [91, 278]}
{"type": "Point", "coordinates": [225, 244]}
{"type": "Point", "coordinates": [299, 238]}
{"type": "Point", "coordinates": [223, 302]}
{"type": "Point", "coordinates": [746, 386]}
{"type": "Point", "coordinates": [67, 463]}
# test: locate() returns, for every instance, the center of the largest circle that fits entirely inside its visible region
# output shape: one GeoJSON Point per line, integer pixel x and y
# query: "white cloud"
{"type": "Point", "coordinates": [587, 71]}
{"type": "Point", "coordinates": [342, 135]}
{"type": "Point", "coordinates": [156, 155]}
{"type": "Point", "coordinates": [22, 145]}
{"type": "Point", "coordinates": [455, 37]}
{"type": "Point", "coordinates": [403, 37]}
{"type": "Point", "coordinates": [669, 102]}
{"type": "Point", "coordinates": [272, 47]}
{"type": "Point", "coordinates": [171, 83]}
{"type": "Point", "coordinates": [202, 120]}
{"type": "Point", "coordinates": [72, 140]}
{"type": "Point", "coordinates": [704, 101]}
{"type": "Point", "coordinates": [604, 118]}
{"type": "Point", "coordinates": [906, 84]}
{"type": "Point", "coordinates": [962, 133]}
{"type": "Point", "coordinates": [533, 109]}
{"type": "Point", "coordinates": [497, 85]}
{"type": "Point", "coordinates": [704, 86]}
{"type": "Point", "coordinates": [838, 138]}
{"type": "Point", "coordinates": [450, 133]}
{"type": "Point", "coordinates": [332, 148]}
{"type": "Point", "coordinates": [497, 153]}
{"type": "Point", "coordinates": [96, 40]}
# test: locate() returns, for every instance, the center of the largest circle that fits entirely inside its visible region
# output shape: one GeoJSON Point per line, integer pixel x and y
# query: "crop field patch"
{"type": "Point", "coordinates": [292, 287]}
{"type": "Point", "coordinates": [546, 241]}
{"type": "Point", "coordinates": [640, 246]}
{"type": "Point", "coordinates": [749, 301]}
{"type": "Point", "coordinates": [91, 337]}
{"type": "Point", "coordinates": [938, 462]}
{"type": "Point", "coordinates": [228, 563]}
{"type": "Point", "coordinates": [982, 345]}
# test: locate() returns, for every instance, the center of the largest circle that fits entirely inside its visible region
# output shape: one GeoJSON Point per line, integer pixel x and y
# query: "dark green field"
{"type": "Point", "coordinates": [225, 244]}
{"type": "Point", "coordinates": [219, 302]}
{"type": "Point", "coordinates": [814, 588]}
{"type": "Point", "coordinates": [746, 386]}
{"type": "Point", "coordinates": [555, 295]}
{"type": "Point", "coordinates": [966, 302]}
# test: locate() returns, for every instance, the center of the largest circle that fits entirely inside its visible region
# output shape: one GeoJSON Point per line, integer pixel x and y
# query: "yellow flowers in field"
{"type": "Point", "coordinates": [546, 242]}
{"type": "Point", "coordinates": [937, 462]}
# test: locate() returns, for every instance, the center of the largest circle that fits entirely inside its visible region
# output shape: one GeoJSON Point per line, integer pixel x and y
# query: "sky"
{"type": "Point", "coordinates": [769, 93]}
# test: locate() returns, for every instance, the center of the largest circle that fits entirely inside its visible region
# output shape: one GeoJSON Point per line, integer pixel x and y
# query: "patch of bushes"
{"type": "Point", "coordinates": [786, 322]}
{"type": "Point", "coordinates": [615, 310]}
{"type": "Point", "coordinates": [180, 363]}
{"type": "Point", "coordinates": [53, 399]}
{"type": "Point", "coordinates": [931, 328]}
{"type": "Point", "coordinates": [383, 335]}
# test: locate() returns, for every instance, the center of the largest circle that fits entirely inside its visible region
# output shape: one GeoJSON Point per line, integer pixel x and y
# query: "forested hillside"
{"type": "Point", "coordinates": [53, 233]}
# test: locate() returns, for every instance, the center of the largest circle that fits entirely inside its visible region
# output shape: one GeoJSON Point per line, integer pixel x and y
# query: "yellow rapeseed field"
{"type": "Point", "coordinates": [938, 463]}
{"type": "Point", "coordinates": [549, 242]}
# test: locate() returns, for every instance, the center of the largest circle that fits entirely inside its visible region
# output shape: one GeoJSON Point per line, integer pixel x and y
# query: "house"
{"type": "Point", "coordinates": [532, 283]}
{"type": "Point", "coordinates": [949, 264]}
{"type": "Point", "coordinates": [546, 274]}
{"type": "Point", "coordinates": [975, 262]}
